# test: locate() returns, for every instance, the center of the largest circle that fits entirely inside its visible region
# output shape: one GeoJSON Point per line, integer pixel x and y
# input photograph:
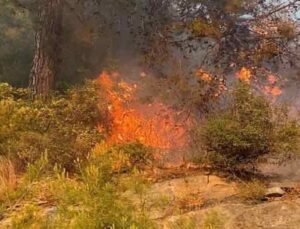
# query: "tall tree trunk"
{"type": "Point", "coordinates": [47, 47]}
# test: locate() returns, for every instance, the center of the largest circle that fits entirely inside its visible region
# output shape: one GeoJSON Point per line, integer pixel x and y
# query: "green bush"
{"type": "Point", "coordinates": [123, 157]}
{"type": "Point", "coordinates": [17, 43]}
{"type": "Point", "coordinates": [94, 199]}
{"type": "Point", "coordinates": [26, 218]}
{"type": "Point", "coordinates": [247, 129]}
{"type": "Point", "coordinates": [64, 125]}
{"type": "Point", "coordinates": [135, 151]}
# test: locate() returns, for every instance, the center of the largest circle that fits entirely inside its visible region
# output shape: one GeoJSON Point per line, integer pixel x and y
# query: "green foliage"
{"type": "Point", "coordinates": [37, 169]}
{"type": "Point", "coordinates": [123, 157]}
{"type": "Point", "coordinates": [93, 198]}
{"type": "Point", "coordinates": [64, 125]}
{"type": "Point", "coordinates": [26, 218]}
{"type": "Point", "coordinates": [16, 44]}
{"type": "Point", "coordinates": [285, 138]}
{"type": "Point", "coordinates": [94, 201]}
{"type": "Point", "coordinates": [136, 152]}
{"type": "Point", "coordinates": [246, 130]}
{"type": "Point", "coordinates": [24, 188]}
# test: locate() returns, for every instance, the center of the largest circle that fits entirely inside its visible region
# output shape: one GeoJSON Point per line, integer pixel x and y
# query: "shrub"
{"type": "Point", "coordinates": [284, 143]}
{"type": "Point", "coordinates": [17, 43]}
{"type": "Point", "coordinates": [123, 157]}
{"type": "Point", "coordinates": [252, 191]}
{"type": "Point", "coordinates": [26, 218]}
{"type": "Point", "coordinates": [135, 151]}
{"type": "Point", "coordinates": [247, 129]}
{"type": "Point", "coordinates": [64, 125]}
{"type": "Point", "coordinates": [36, 170]}
{"type": "Point", "coordinates": [26, 186]}
{"type": "Point", "coordinates": [94, 200]}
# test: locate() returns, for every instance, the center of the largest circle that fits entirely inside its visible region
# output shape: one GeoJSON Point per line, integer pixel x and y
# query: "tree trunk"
{"type": "Point", "coordinates": [47, 48]}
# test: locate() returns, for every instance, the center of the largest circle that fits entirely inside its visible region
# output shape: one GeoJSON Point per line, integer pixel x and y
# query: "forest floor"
{"type": "Point", "coordinates": [195, 201]}
{"type": "Point", "coordinates": [188, 198]}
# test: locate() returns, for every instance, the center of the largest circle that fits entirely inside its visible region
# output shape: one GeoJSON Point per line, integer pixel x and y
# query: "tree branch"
{"type": "Point", "coordinates": [280, 8]}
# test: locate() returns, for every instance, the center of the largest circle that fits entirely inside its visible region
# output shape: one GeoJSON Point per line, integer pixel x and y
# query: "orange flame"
{"type": "Point", "coordinates": [244, 74]}
{"type": "Point", "coordinates": [154, 125]}
{"type": "Point", "coordinates": [272, 89]}
{"type": "Point", "coordinates": [203, 75]}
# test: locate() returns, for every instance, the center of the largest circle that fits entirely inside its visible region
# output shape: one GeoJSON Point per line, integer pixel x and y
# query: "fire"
{"type": "Point", "coordinates": [272, 79]}
{"type": "Point", "coordinates": [270, 88]}
{"type": "Point", "coordinates": [244, 74]}
{"type": "Point", "coordinates": [203, 75]}
{"type": "Point", "coordinates": [154, 124]}
{"type": "Point", "coordinates": [273, 90]}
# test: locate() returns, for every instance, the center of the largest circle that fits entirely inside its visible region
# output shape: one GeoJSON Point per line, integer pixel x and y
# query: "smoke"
{"type": "Point", "coordinates": [289, 171]}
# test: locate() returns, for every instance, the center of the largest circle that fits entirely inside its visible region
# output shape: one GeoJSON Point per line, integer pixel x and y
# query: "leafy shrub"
{"type": "Point", "coordinates": [35, 170]}
{"type": "Point", "coordinates": [246, 130]}
{"type": "Point", "coordinates": [136, 152]}
{"type": "Point", "coordinates": [64, 125]}
{"type": "Point", "coordinates": [17, 43]}
{"type": "Point", "coordinates": [123, 157]}
{"type": "Point", "coordinates": [252, 191]}
{"type": "Point", "coordinates": [94, 200]}
{"type": "Point", "coordinates": [23, 188]}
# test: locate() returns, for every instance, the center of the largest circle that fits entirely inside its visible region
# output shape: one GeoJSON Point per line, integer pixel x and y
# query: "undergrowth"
{"type": "Point", "coordinates": [252, 191]}
{"type": "Point", "coordinates": [247, 130]}
{"type": "Point", "coordinates": [213, 220]}
{"type": "Point", "coordinates": [64, 125]}
{"type": "Point", "coordinates": [91, 198]}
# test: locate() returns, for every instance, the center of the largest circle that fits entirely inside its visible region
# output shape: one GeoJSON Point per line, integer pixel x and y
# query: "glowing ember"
{"type": "Point", "coordinates": [203, 75]}
{"type": "Point", "coordinates": [272, 79]}
{"type": "Point", "coordinates": [272, 89]}
{"type": "Point", "coordinates": [275, 91]}
{"type": "Point", "coordinates": [244, 74]}
{"type": "Point", "coordinates": [154, 124]}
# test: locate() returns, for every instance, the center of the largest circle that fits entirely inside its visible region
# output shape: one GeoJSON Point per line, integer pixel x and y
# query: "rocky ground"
{"type": "Point", "coordinates": [192, 199]}
{"type": "Point", "coordinates": [201, 198]}
{"type": "Point", "coordinates": [189, 199]}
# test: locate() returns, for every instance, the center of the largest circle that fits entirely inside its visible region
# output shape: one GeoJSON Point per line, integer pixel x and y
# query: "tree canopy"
{"type": "Point", "coordinates": [204, 34]}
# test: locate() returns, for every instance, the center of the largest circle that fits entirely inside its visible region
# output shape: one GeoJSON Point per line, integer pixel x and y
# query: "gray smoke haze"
{"type": "Point", "coordinates": [289, 171]}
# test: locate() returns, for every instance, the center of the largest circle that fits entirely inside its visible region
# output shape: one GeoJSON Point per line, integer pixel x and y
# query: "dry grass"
{"type": "Point", "coordinates": [252, 191]}
{"type": "Point", "coordinates": [8, 177]}
{"type": "Point", "coordinates": [213, 220]}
